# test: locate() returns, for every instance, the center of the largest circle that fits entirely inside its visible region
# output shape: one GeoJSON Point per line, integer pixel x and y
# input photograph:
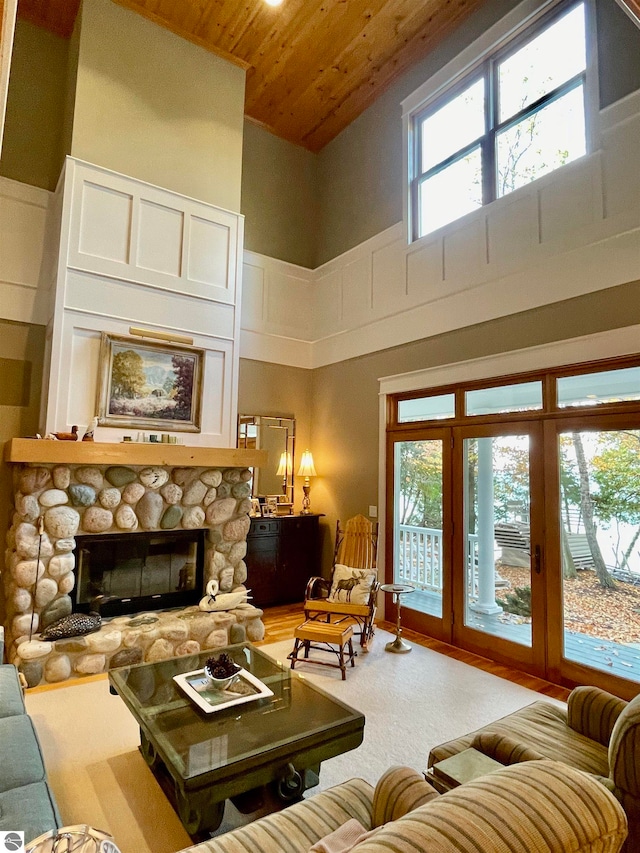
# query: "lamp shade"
{"type": "Point", "coordinates": [285, 466]}
{"type": "Point", "coordinates": [307, 468]}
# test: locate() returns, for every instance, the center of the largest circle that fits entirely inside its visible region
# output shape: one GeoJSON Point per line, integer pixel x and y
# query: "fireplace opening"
{"type": "Point", "coordinates": [121, 573]}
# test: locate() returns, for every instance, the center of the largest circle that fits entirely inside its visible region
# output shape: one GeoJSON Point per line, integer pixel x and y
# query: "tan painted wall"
{"type": "Point", "coordinates": [32, 150]}
{"type": "Point", "coordinates": [276, 390]}
{"type": "Point", "coordinates": [279, 197]}
{"type": "Point", "coordinates": [156, 107]}
{"type": "Point", "coordinates": [21, 358]}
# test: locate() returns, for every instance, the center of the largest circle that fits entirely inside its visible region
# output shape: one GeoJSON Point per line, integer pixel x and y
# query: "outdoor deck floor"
{"type": "Point", "coordinates": [617, 658]}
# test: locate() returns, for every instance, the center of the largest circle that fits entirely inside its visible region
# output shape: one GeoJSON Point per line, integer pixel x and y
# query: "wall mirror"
{"type": "Point", "coordinates": [276, 435]}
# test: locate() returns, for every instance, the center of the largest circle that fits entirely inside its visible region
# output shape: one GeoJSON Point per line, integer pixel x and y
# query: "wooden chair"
{"type": "Point", "coordinates": [356, 547]}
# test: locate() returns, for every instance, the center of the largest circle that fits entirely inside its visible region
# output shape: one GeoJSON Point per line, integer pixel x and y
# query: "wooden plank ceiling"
{"type": "Point", "coordinates": [313, 66]}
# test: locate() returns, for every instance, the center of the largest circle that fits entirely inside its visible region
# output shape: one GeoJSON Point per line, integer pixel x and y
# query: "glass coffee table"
{"type": "Point", "coordinates": [203, 757]}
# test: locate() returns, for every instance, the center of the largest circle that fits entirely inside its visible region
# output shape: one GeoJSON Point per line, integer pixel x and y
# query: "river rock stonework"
{"type": "Point", "coordinates": [54, 503]}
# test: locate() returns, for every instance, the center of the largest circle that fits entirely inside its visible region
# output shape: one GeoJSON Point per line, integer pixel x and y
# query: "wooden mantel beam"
{"type": "Point", "coordinates": [43, 451]}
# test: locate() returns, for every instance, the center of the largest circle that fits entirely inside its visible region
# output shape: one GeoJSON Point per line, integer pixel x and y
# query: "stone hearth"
{"type": "Point", "coordinates": [55, 502]}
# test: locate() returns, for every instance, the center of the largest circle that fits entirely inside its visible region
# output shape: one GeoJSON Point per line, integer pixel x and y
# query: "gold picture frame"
{"type": "Point", "coordinates": [143, 385]}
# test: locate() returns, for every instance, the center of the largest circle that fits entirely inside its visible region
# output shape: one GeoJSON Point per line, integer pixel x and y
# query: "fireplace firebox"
{"type": "Point", "coordinates": [125, 573]}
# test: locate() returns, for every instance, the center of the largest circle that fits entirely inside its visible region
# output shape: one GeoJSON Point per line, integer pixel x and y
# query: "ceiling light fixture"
{"type": "Point", "coordinates": [273, 2]}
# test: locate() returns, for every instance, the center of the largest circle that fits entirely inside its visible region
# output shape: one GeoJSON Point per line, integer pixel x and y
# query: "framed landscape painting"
{"type": "Point", "coordinates": [149, 385]}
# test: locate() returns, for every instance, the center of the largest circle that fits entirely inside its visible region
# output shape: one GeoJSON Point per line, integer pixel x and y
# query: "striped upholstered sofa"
{"type": "Point", "coordinates": [596, 732]}
{"type": "Point", "coordinates": [541, 807]}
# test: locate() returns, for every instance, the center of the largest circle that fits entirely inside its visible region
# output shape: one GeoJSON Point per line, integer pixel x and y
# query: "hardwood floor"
{"type": "Point", "coordinates": [280, 623]}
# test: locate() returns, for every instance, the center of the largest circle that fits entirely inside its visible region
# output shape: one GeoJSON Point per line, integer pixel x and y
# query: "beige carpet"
{"type": "Point", "coordinates": [411, 703]}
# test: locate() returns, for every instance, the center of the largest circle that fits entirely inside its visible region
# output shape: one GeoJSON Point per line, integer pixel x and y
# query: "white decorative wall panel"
{"type": "Point", "coordinates": [209, 254]}
{"type": "Point", "coordinates": [253, 294]}
{"type": "Point", "coordinates": [23, 270]}
{"type": "Point", "coordinates": [105, 223]}
{"type": "Point", "coordinates": [160, 238]}
{"type": "Point", "coordinates": [357, 292]}
{"type": "Point", "coordinates": [570, 205]}
{"type": "Point", "coordinates": [465, 253]}
{"type": "Point", "coordinates": [424, 272]}
{"type": "Point", "coordinates": [389, 285]}
{"type": "Point", "coordinates": [327, 303]}
{"type": "Point", "coordinates": [512, 230]}
{"type": "Point", "coordinates": [128, 301]}
{"type": "Point", "coordinates": [136, 255]}
{"type": "Point", "coordinates": [128, 229]}
{"type": "Point", "coordinates": [621, 175]}
{"type": "Point", "coordinates": [76, 367]}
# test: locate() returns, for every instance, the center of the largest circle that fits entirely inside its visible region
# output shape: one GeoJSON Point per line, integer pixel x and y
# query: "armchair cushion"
{"type": "Point", "coordinates": [624, 750]}
{"type": "Point", "coordinates": [593, 712]}
{"type": "Point", "coordinates": [399, 791]}
{"type": "Point", "coordinates": [351, 586]}
{"type": "Point", "coordinates": [540, 806]}
{"type": "Point", "coordinates": [503, 748]}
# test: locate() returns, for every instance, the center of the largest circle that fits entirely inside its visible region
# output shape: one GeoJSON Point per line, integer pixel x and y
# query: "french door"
{"type": "Point", "coordinates": [498, 596]}
{"type": "Point", "coordinates": [454, 492]}
{"type": "Point", "coordinates": [422, 521]}
{"type": "Point", "coordinates": [513, 509]}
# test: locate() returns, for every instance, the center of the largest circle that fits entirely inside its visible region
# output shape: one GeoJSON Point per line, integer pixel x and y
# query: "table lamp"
{"type": "Point", "coordinates": [307, 469]}
{"type": "Point", "coordinates": [285, 468]}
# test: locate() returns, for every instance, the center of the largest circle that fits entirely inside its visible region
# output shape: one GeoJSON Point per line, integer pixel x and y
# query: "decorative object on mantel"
{"type": "Point", "coordinates": [66, 436]}
{"type": "Point", "coordinates": [89, 434]}
{"type": "Point", "coordinates": [153, 385]}
{"type": "Point", "coordinates": [307, 469]}
{"type": "Point", "coordinates": [215, 601]}
{"type": "Point", "coordinates": [74, 625]}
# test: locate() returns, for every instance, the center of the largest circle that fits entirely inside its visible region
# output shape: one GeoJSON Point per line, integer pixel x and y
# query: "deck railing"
{"type": "Point", "coordinates": [419, 558]}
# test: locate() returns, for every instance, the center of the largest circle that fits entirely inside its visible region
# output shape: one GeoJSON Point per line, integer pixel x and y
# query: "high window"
{"type": "Point", "coordinates": [516, 116]}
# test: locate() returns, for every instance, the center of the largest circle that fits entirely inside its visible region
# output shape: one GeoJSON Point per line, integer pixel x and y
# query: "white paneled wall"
{"type": "Point", "coordinates": [572, 232]}
{"type": "Point", "coordinates": [23, 272]}
{"type": "Point", "coordinates": [135, 254]}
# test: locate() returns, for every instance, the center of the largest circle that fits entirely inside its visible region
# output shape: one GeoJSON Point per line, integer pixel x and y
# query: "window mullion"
{"type": "Point", "coordinates": [489, 149]}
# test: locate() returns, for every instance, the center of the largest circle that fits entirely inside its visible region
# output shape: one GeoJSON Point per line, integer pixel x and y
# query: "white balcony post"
{"type": "Point", "coordinates": [486, 602]}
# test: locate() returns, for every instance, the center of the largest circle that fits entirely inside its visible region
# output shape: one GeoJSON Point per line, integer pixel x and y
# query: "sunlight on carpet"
{"type": "Point", "coordinates": [411, 703]}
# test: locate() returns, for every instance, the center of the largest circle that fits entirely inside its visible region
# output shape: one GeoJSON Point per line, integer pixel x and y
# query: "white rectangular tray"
{"type": "Point", "coordinates": [245, 688]}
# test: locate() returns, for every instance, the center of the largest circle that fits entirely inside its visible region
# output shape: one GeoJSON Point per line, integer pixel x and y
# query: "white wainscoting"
{"type": "Point", "coordinates": [23, 273]}
{"type": "Point", "coordinates": [135, 254]}
{"type": "Point", "coordinates": [569, 233]}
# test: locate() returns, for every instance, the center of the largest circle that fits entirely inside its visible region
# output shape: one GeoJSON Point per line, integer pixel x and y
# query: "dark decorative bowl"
{"type": "Point", "coordinates": [221, 671]}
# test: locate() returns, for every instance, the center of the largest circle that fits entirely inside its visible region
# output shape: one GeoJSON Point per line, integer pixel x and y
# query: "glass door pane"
{"type": "Point", "coordinates": [497, 579]}
{"type": "Point", "coordinates": [600, 549]}
{"type": "Point", "coordinates": [418, 523]}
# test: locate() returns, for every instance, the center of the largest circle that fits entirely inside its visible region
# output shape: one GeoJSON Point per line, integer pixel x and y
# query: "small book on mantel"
{"type": "Point", "coordinates": [464, 767]}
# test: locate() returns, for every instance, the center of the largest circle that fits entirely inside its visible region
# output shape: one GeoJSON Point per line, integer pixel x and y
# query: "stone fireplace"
{"type": "Point", "coordinates": [63, 490]}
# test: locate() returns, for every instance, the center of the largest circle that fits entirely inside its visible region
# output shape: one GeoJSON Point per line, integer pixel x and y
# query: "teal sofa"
{"type": "Point", "coordinates": [26, 800]}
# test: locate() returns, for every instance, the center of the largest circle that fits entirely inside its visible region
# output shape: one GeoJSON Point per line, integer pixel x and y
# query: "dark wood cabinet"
{"type": "Point", "coordinates": [282, 554]}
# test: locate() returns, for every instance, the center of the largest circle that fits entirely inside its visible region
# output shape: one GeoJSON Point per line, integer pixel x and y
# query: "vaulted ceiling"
{"type": "Point", "coordinates": [313, 66]}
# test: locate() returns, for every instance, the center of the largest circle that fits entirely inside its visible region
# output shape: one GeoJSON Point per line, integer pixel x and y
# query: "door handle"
{"type": "Point", "coordinates": [537, 559]}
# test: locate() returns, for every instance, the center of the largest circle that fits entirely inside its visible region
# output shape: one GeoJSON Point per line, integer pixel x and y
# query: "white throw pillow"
{"type": "Point", "coordinates": [351, 586]}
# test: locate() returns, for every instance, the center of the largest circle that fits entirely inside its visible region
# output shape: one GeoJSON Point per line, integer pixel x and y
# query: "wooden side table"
{"type": "Point", "coordinates": [460, 768]}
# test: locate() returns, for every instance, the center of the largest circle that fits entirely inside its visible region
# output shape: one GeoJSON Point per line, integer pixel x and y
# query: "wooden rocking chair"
{"type": "Point", "coordinates": [356, 547]}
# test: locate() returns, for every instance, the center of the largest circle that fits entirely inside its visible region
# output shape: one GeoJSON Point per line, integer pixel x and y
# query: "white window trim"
{"type": "Point", "coordinates": [525, 14]}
